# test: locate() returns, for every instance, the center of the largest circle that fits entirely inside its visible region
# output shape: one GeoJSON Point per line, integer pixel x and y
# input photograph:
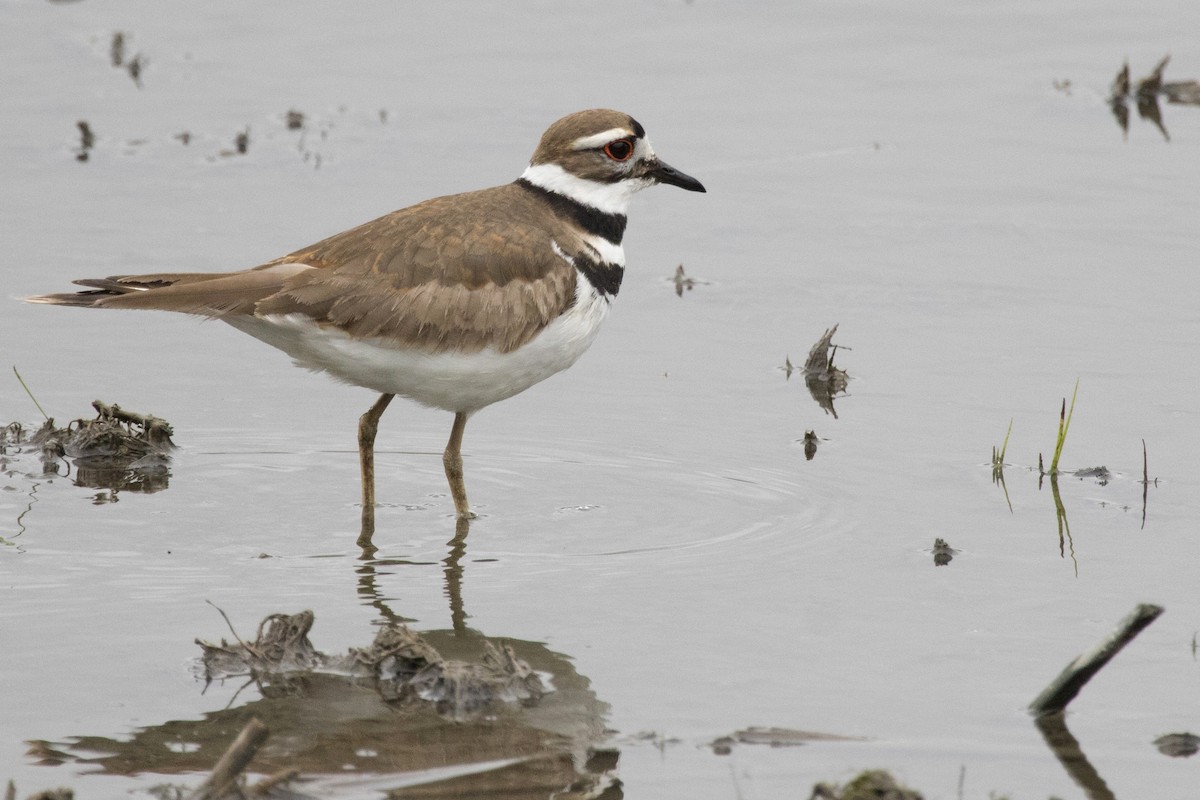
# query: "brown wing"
{"type": "Point", "coordinates": [462, 272]}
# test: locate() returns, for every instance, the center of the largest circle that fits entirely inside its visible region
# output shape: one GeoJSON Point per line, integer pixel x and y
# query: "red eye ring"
{"type": "Point", "coordinates": [620, 150]}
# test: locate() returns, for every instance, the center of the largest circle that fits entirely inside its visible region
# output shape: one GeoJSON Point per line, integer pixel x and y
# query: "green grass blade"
{"type": "Point", "coordinates": [31, 397]}
{"type": "Point", "coordinates": [1064, 424]}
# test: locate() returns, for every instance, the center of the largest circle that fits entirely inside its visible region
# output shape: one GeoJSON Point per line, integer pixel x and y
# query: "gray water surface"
{"type": "Point", "coordinates": [651, 533]}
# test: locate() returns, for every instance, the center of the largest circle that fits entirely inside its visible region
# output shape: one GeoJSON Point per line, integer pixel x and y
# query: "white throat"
{"type": "Point", "coordinates": [611, 198]}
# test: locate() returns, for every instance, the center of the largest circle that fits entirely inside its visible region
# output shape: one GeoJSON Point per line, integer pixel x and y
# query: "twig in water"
{"type": "Point", "coordinates": [158, 431]}
{"type": "Point", "coordinates": [264, 787]}
{"type": "Point", "coordinates": [231, 764]}
{"type": "Point", "coordinates": [249, 648]}
{"type": "Point", "coordinates": [1062, 690]}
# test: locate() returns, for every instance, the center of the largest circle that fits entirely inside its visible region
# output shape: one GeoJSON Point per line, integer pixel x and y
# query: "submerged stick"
{"type": "Point", "coordinates": [156, 429]}
{"type": "Point", "coordinates": [1062, 690]}
{"type": "Point", "coordinates": [264, 787]}
{"type": "Point", "coordinates": [231, 764]}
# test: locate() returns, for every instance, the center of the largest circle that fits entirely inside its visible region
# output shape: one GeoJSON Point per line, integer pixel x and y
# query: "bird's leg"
{"type": "Point", "coordinates": [368, 424]}
{"type": "Point", "coordinates": [452, 460]}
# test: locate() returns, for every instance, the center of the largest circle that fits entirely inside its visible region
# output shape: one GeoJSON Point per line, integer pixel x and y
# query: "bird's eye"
{"type": "Point", "coordinates": [620, 150]}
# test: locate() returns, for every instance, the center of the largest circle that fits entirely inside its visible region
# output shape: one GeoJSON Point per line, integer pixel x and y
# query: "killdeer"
{"type": "Point", "coordinates": [457, 302]}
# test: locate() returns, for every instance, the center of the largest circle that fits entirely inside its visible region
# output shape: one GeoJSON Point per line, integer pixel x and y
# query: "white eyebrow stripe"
{"type": "Point", "coordinates": [602, 138]}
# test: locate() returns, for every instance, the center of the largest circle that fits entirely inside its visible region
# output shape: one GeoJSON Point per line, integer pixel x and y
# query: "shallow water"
{"type": "Point", "coordinates": [651, 531]}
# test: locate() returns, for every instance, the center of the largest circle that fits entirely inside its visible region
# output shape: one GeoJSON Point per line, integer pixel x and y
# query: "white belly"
{"type": "Point", "coordinates": [451, 381]}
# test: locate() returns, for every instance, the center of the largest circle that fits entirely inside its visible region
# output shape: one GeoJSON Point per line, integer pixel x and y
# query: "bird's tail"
{"type": "Point", "coordinates": [205, 293]}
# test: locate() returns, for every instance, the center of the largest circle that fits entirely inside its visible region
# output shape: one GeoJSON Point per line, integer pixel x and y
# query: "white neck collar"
{"type": "Point", "coordinates": [611, 198]}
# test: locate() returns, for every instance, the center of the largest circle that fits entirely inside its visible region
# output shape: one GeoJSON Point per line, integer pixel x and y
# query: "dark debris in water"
{"type": "Point", "coordinates": [399, 663]}
{"type": "Point", "coordinates": [118, 58]}
{"type": "Point", "coordinates": [823, 380]}
{"type": "Point", "coordinates": [1178, 745]}
{"type": "Point", "coordinates": [115, 434]}
{"type": "Point", "coordinates": [943, 553]}
{"type": "Point", "coordinates": [116, 49]}
{"type": "Point", "coordinates": [874, 784]}
{"type": "Point", "coordinates": [684, 282]}
{"type": "Point", "coordinates": [241, 145]}
{"type": "Point", "coordinates": [135, 64]}
{"type": "Point", "coordinates": [772, 737]}
{"type": "Point", "coordinates": [118, 449]}
{"type": "Point", "coordinates": [60, 793]}
{"type": "Point", "coordinates": [1145, 95]}
{"type": "Point", "coordinates": [87, 140]}
{"type": "Point", "coordinates": [811, 442]}
{"type": "Point", "coordinates": [368, 718]}
{"type": "Point", "coordinates": [1101, 474]}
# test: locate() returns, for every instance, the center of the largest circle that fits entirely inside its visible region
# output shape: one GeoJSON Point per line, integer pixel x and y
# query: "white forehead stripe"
{"type": "Point", "coordinates": [600, 139]}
